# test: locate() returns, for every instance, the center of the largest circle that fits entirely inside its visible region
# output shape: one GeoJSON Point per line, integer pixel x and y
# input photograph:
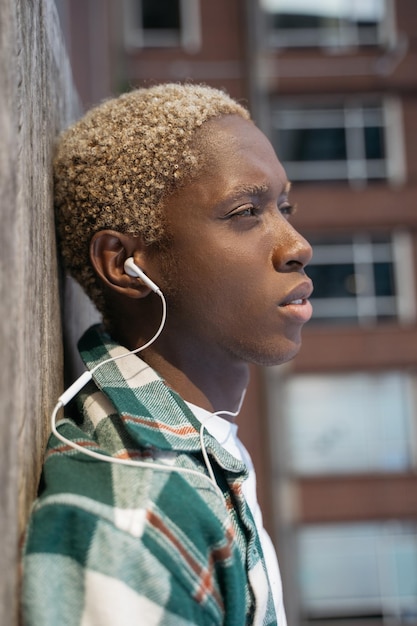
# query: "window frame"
{"type": "Point", "coordinates": [319, 439]}
{"type": "Point", "coordinates": [187, 37]}
{"type": "Point", "coordinates": [354, 117]}
{"type": "Point", "coordinates": [345, 35]}
{"type": "Point", "coordinates": [368, 309]}
{"type": "Point", "coordinates": [373, 546]}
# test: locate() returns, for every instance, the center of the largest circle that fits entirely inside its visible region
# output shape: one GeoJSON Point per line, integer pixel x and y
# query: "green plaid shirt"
{"type": "Point", "coordinates": [113, 545]}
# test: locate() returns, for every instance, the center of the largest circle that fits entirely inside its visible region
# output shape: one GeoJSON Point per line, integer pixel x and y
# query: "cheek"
{"type": "Point", "coordinates": [211, 279]}
{"type": "Point", "coordinates": [167, 269]}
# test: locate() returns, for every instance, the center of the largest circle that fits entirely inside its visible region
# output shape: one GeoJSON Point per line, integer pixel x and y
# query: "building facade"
{"type": "Point", "coordinates": [342, 112]}
{"type": "Point", "coordinates": [334, 86]}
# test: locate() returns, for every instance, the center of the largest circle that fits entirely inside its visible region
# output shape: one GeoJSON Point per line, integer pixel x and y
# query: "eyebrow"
{"type": "Point", "coordinates": [250, 190]}
{"type": "Point", "coordinates": [255, 190]}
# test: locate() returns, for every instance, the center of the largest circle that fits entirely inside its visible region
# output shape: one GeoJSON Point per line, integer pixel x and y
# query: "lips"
{"type": "Point", "coordinates": [298, 295]}
{"type": "Point", "coordinates": [296, 306]}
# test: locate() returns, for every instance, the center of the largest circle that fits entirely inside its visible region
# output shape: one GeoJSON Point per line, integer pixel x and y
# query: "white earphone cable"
{"type": "Point", "coordinates": [130, 462]}
{"type": "Point", "coordinates": [76, 386]}
{"type": "Point", "coordinates": [203, 426]}
{"type": "Point", "coordinates": [87, 375]}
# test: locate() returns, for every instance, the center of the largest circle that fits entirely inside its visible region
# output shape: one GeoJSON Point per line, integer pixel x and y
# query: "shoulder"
{"type": "Point", "coordinates": [157, 536]}
{"type": "Point", "coordinates": [164, 493]}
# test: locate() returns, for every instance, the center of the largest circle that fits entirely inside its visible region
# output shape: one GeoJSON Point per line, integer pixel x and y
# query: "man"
{"type": "Point", "coordinates": [148, 512]}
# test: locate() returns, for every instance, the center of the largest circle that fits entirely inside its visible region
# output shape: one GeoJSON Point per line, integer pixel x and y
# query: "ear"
{"type": "Point", "coordinates": [109, 250]}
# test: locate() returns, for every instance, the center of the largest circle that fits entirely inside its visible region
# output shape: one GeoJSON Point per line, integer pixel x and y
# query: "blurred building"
{"type": "Point", "coordinates": [333, 83]}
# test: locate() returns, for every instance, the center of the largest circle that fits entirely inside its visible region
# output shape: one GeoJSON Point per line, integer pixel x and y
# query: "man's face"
{"type": "Point", "coordinates": [236, 269]}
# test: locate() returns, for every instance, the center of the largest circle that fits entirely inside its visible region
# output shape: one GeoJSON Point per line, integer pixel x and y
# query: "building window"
{"type": "Point", "coordinates": [362, 571]}
{"type": "Point", "coordinates": [355, 142]}
{"type": "Point", "coordinates": [347, 423]}
{"type": "Point", "coordinates": [163, 15]}
{"type": "Point", "coordinates": [362, 279]}
{"type": "Point", "coordinates": [163, 23]}
{"type": "Point", "coordinates": [337, 24]}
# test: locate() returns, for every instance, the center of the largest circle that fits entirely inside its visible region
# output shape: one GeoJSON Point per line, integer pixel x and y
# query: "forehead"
{"type": "Point", "coordinates": [234, 154]}
{"type": "Point", "coordinates": [229, 136]}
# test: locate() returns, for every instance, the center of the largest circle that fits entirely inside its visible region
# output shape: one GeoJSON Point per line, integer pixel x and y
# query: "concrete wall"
{"type": "Point", "coordinates": [36, 99]}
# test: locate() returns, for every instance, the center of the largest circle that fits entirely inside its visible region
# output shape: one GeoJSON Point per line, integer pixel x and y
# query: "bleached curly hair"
{"type": "Point", "coordinates": [115, 167]}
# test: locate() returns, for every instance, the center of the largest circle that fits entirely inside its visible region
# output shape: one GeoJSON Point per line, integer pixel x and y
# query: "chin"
{"type": "Point", "coordinates": [280, 359]}
{"type": "Point", "coordinates": [275, 350]}
{"type": "Point", "coordinates": [276, 355]}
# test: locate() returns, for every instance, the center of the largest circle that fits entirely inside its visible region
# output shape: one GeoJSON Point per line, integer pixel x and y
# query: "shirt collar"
{"type": "Point", "coordinates": [153, 414]}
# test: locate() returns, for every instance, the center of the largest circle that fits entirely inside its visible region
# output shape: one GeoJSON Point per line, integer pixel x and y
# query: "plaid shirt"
{"type": "Point", "coordinates": [114, 545]}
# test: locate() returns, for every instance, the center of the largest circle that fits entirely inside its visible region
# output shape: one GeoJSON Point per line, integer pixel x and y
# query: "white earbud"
{"type": "Point", "coordinates": [133, 270]}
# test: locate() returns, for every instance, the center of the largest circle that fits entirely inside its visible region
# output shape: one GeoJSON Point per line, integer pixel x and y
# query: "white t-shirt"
{"type": "Point", "coordinates": [226, 434]}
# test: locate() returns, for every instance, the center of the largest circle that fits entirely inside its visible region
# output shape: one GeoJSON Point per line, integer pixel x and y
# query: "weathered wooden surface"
{"type": "Point", "coordinates": [36, 100]}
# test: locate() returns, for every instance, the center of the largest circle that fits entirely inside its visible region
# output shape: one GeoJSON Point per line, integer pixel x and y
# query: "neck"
{"type": "Point", "coordinates": [202, 375]}
{"type": "Point", "coordinates": [214, 388]}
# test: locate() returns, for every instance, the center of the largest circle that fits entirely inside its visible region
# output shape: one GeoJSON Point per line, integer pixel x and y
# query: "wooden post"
{"type": "Point", "coordinates": [37, 99]}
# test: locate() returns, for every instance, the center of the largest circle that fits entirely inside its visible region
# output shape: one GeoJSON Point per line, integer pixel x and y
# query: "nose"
{"type": "Point", "coordinates": [292, 251]}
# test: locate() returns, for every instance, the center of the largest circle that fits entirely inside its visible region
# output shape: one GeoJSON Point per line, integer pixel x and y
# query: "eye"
{"type": "Point", "coordinates": [247, 211]}
{"type": "Point", "coordinates": [287, 209]}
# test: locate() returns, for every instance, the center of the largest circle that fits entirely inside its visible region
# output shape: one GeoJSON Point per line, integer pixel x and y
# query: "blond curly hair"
{"type": "Point", "coordinates": [114, 168]}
